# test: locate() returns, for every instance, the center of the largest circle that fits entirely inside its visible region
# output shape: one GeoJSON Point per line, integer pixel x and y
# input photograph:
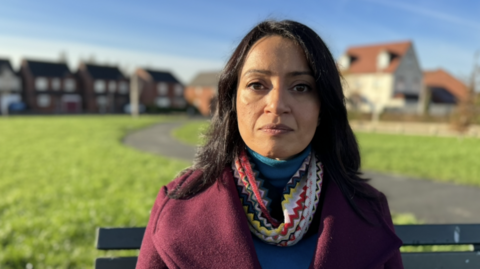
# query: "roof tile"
{"type": "Point", "coordinates": [366, 56]}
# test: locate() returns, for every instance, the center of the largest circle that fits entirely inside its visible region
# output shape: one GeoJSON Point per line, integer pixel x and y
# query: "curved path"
{"type": "Point", "coordinates": [431, 202]}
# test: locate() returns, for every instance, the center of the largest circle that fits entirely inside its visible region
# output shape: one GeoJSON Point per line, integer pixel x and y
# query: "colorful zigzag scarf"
{"type": "Point", "coordinates": [299, 201]}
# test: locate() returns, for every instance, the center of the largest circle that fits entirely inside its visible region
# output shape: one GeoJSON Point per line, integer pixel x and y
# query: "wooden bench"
{"type": "Point", "coordinates": [411, 235]}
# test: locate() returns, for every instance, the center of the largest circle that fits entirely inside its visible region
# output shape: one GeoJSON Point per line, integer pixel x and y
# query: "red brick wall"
{"type": "Point", "coordinates": [200, 97]}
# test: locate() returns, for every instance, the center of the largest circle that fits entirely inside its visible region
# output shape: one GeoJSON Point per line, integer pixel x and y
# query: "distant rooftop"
{"type": "Point", "coordinates": [4, 63]}
{"type": "Point", "coordinates": [48, 69]}
{"type": "Point", "coordinates": [365, 57]}
{"type": "Point", "coordinates": [442, 79]}
{"type": "Point", "coordinates": [206, 79]}
{"type": "Point", "coordinates": [161, 76]}
{"type": "Point", "coordinates": [104, 72]}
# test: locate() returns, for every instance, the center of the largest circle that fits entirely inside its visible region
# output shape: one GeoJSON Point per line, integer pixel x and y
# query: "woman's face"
{"type": "Point", "coordinates": [277, 100]}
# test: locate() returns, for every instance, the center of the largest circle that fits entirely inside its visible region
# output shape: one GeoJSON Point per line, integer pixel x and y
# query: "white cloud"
{"type": "Point", "coordinates": [18, 48]}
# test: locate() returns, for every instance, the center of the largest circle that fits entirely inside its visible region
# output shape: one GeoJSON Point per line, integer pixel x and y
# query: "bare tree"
{"type": "Point", "coordinates": [467, 111]}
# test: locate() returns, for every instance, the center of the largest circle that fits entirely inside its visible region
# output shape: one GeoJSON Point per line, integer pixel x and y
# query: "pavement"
{"type": "Point", "coordinates": [428, 201]}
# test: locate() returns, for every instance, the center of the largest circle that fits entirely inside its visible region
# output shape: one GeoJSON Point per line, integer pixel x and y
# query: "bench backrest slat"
{"type": "Point", "coordinates": [432, 234]}
{"type": "Point", "coordinates": [116, 263]}
{"type": "Point", "coordinates": [435, 234]}
{"type": "Point", "coordinates": [439, 234]}
{"type": "Point", "coordinates": [435, 260]}
{"type": "Point", "coordinates": [119, 238]}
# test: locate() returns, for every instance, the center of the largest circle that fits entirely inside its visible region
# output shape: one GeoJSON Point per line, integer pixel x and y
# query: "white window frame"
{"type": "Point", "coordinates": [99, 86]}
{"type": "Point", "coordinates": [163, 102]}
{"type": "Point", "coordinates": [43, 100]}
{"type": "Point", "coordinates": [178, 90]}
{"type": "Point", "coordinates": [56, 84]}
{"type": "Point", "coordinates": [101, 100]}
{"type": "Point", "coordinates": [112, 86]}
{"type": "Point", "coordinates": [41, 84]}
{"type": "Point", "coordinates": [162, 89]}
{"type": "Point", "coordinates": [69, 85]}
{"type": "Point", "coordinates": [123, 87]}
{"type": "Point", "coordinates": [180, 102]}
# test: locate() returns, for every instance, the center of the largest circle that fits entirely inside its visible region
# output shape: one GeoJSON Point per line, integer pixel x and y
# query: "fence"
{"type": "Point", "coordinates": [413, 128]}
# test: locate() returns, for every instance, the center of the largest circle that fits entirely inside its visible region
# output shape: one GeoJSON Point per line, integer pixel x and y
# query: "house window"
{"type": "Point", "coordinates": [162, 88]}
{"type": "Point", "coordinates": [41, 84]}
{"type": "Point", "coordinates": [178, 90]}
{"type": "Point", "coordinates": [99, 86]}
{"type": "Point", "coordinates": [416, 84]}
{"type": "Point", "coordinates": [163, 102]}
{"type": "Point", "coordinates": [383, 60]}
{"type": "Point", "coordinates": [102, 100]}
{"type": "Point", "coordinates": [43, 100]}
{"type": "Point", "coordinates": [56, 84]}
{"type": "Point", "coordinates": [69, 85]}
{"type": "Point", "coordinates": [112, 86]}
{"type": "Point", "coordinates": [400, 84]}
{"type": "Point", "coordinates": [180, 102]}
{"type": "Point", "coordinates": [123, 87]}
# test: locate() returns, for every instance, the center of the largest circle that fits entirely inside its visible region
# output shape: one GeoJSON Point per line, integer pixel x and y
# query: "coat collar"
{"type": "Point", "coordinates": [210, 230]}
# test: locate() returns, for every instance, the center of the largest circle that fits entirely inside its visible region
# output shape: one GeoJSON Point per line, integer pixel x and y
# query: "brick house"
{"type": "Point", "coordinates": [202, 91]}
{"type": "Point", "coordinates": [444, 88]}
{"type": "Point", "coordinates": [382, 76]}
{"type": "Point", "coordinates": [105, 89]}
{"type": "Point", "coordinates": [444, 91]}
{"type": "Point", "coordinates": [10, 86]}
{"type": "Point", "coordinates": [50, 88]}
{"type": "Point", "coordinates": [160, 89]}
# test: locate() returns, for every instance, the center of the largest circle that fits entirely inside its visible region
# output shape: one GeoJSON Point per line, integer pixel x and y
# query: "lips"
{"type": "Point", "coordinates": [275, 129]}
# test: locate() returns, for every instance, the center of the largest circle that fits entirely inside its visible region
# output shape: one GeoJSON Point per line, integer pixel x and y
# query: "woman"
{"type": "Point", "coordinates": [277, 184]}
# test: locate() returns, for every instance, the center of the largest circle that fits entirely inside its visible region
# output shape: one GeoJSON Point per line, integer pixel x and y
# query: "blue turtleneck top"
{"type": "Point", "coordinates": [278, 173]}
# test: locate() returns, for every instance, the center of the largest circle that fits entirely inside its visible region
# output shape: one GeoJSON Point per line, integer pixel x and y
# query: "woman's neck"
{"type": "Point", "coordinates": [278, 172]}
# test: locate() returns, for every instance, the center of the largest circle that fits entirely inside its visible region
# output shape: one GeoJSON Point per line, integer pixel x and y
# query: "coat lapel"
{"type": "Point", "coordinates": [209, 230]}
{"type": "Point", "coordinates": [347, 241]}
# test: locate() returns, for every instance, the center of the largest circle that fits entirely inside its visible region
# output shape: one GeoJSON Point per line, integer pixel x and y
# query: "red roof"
{"type": "Point", "coordinates": [440, 78]}
{"type": "Point", "coordinates": [366, 56]}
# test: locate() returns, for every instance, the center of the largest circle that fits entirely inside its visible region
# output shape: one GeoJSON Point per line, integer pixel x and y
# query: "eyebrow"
{"type": "Point", "coordinates": [268, 72]}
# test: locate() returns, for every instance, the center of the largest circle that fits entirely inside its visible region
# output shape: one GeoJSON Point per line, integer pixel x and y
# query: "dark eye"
{"type": "Point", "coordinates": [301, 88]}
{"type": "Point", "coordinates": [256, 86]}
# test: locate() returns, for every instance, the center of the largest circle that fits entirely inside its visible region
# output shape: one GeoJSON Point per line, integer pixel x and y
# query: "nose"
{"type": "Point", "coordinates": [277, 101]}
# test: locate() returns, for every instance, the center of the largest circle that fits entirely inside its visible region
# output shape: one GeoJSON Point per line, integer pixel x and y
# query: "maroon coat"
{"type": "Point", "coordinates": [210, 230]}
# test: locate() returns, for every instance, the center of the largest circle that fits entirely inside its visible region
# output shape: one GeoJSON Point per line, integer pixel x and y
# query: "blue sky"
{"type": "Point", "coordinates": [189, 36]}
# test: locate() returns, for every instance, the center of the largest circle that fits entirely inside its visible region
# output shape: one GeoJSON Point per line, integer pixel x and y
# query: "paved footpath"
{"type": "Point", "coordinates": [431, 202]}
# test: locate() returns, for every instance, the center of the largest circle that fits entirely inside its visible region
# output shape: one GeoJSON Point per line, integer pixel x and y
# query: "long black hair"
{"type": "Point", "coordinates": [333, 141]}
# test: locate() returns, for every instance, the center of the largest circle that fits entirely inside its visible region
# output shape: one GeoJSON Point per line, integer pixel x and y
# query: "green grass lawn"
{"type": "Point", "coordinates": [446, 159]}
{"type": "Point", "coordinates": [62, 177]}
{"type": "Point", "coordinates": [190, 133]}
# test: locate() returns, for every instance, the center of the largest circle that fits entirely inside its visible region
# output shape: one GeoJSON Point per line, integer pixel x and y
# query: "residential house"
{"type": "Point", "coordinates": [160, 89]}
{"type": "Point", "coordinates": [10, 86]}
{"type": "Point", "coordinates": [50, 87]}
{"type": "Point", "coordinates": [105, 89]}
{"type": "Point", "coordinates": [202, 91]}
{"type": "Point", "coordinates": [444, 91]}
{"type": "Point", "coordinates": [382, 76]}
